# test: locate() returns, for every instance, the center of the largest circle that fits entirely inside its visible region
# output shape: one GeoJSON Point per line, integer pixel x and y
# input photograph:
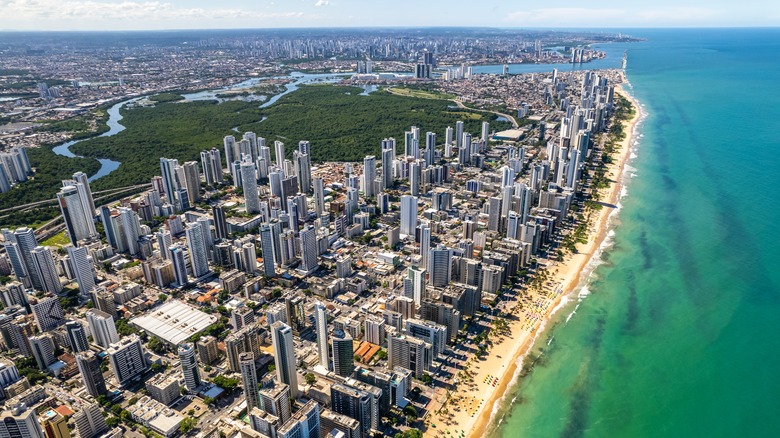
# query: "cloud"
{"type": "Point", "coordinates": [588, 17]}
{"type": "Point", "coordinates": [125, 10]}
{"type": "Point", "coordinates": [322, 3]}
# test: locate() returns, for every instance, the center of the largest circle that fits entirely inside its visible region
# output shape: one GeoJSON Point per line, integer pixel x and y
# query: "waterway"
{"type": "Point", "coordinates": [613, 59]}
{"type": "Point", "coordinates": [114, 112]}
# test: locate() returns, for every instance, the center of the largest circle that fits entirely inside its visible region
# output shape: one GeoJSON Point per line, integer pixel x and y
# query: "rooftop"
{"type": "Point", "coordinates": [174, 322]}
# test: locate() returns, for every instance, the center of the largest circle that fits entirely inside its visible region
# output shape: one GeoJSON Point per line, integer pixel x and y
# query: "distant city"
{"type": "Point", "coordinates": [250, 290]}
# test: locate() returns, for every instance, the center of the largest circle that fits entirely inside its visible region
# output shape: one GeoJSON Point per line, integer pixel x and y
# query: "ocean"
{"type": "Point", "coordinates": [677, 331]}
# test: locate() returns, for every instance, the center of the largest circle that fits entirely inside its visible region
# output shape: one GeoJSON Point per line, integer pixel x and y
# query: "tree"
{"type": "Point", "coordinates": [112, 422]}
{"type": "Point", "coordinates": [156, 345]}
{"type": "Point", "coordinates": [412, 433]}
{"type": "Point", "coordinates": [310, 378]}
{"type": "Point", "coordinates": [187, 424]}
{"type": "Point", "coordinates": [426, 378]}
{"type": "Point", "coordinates": [410, 411]}
{"type": "Point", "coordinates": [162, 297]}
{"type": "Point", "coordinates": [226, 383]}
{"type": "Point", "coordinates": [208, 401]}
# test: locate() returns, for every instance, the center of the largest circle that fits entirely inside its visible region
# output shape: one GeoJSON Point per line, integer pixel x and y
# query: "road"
{"type": "Point", "coordinates": [506, 116]}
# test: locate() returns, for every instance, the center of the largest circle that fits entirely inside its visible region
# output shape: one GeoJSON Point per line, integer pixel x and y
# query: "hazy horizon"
{"type": "Point", "coordinates": [141, 15]}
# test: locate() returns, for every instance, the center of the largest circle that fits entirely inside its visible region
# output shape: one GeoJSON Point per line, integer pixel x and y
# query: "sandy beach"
{"type": "Point", "coordinates": [469, 409]}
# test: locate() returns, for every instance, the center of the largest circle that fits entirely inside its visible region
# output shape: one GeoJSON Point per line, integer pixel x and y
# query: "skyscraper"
{"type": "Point", "coordinates": [83, 269]}
{"type": "Point", "coordinates": [284, 356]}
{"type": "Point", "coordinates": [177, 257]}
{"type": "Point", "coordinates": [249, 379]}
{"type": "Point", "coordinates": [197, 249]}
{"type": "Point", "coordinates": [127, 359]}
{"type": "Point", "coordinates": [192, 179]}
{"type": "Point", "coordinates": [89, 369]}
{"type": "Point", "coordinates": [343, 353]}
{"type": "Point", "coordinates": [425, 244]}
{"type": "Point", "coordinates": [267, 246]}
{"type": "Point", "coordinates": [43, 263]}
{"type": "Point", "coordinates": [77, 338]}
{"type": "Point", "coordinates": [20, 422]}
{"type": "Point", "coordinates": [25, 239]}
{"type": "Point", "coordinates": [309, 249]}
{"type": "Point", "coordinates": [86, 191]}
{"type": "Point", "coordinates": [211, 162]}
{"type": "Point", "coordinates": [279, 150]}
{"type": "Point", "coordinates": [48, 313]}
{"type": "Point", "coordinates": [102, 327]}
{"type": "Point", "coordinates": [249, 184]}
{"type": "Point", "coordinates": [321, 327]}
{"type": "Point", "coordinates": [305, 423]}
{"type": "Point", "coordinates": [416, 276]}
{"type": "Point", "coordinates": [440, 266]}
{"type": "Point", "coordinates": [369, 175]}
{"type": "Point", "coordinates": [42, 347]}
{"type": "Point", "coordinates": [189, 366]}
{"type": "Point", "coordinates": [220, 222]}
{"type": "Point", "coordinates": [89, 421]}
{"type": "Point", "coordinates": [168, 169]}
{"type": "Point", "coordinates": [78, 221]}
{"type": "Point", "coordinates": [408, 215]}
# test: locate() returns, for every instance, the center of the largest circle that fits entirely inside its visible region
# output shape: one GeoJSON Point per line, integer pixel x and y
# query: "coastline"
{"type": "Point", "coordinates": [565, 278]}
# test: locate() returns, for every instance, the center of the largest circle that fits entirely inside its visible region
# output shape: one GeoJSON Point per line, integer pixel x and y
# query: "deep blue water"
{"type": "Point", "coordinates": [680, 334]}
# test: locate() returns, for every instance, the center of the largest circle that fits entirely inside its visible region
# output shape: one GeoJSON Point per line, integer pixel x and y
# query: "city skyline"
{"type": "Point", "coordinates": [88, 15]}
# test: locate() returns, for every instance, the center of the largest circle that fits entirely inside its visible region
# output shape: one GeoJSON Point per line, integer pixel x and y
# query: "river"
{"type": "Point", "coordinates": [114, 112]}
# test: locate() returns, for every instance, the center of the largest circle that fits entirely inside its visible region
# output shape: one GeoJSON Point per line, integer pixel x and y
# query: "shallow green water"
{"type": "Point", "coordinates": [680, 332]}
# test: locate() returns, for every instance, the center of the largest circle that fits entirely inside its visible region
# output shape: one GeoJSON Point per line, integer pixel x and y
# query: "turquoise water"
{"type": "Point", "coordinates": [680, 333]}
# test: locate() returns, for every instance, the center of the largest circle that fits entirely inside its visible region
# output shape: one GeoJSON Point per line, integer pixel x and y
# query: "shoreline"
{"type": "Point", "coordinates": [566, 277]}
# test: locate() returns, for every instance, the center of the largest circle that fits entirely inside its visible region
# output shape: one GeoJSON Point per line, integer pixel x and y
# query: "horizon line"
{"type": "Point", "coordinates": [557, 28]}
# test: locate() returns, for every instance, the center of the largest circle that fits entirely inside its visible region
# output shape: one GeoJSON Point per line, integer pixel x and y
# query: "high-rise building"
{"type": "Point", "coordinates": [410, 353]}
{"type": "Point", "coordinates": [77, 338]}
{"type": "Point", "coordinates": [128, 227]}
{"type": "Point", "coordinates": [319, 196]}
{"type": "Point", "coordinates": [89, 369]}
{"type": "Point", "coordinates": [425, 244]}
{"type": "Point", "coordinates": [48, 313]}
{"type": "Point", "coordinates": [83, 269]}
{"type": "Point", "coordinates": [284, 356]}
{"type": "Point", "coordinates": [19, 421]}
{"type": "Point", "coordinates": [276, 400]}
{"type": "Point", "coordinates": [303, 170]}
{"type": "Point", "coordinates": [369, 175]}
{"type": "Point", "coordinates": [211, 161]}
{"type": "Point", "coordinates": [168, 168]}
{"type": "Point", "coordinates": [321, 327]}
{"type": "Point", "coordinates": [416, 284]}
{"type": "Point", "coordinates": [249, 379]}
{"type": "Point", "coordinates": [78, 221]}
{"type": "Point", "coordinates": [207, 349]}
{"type": "Point", "coordinates": [242, 317]}
{"type": "Point", "coordinates": [220, 222]}
{"type": "Point", "coordinates": [189, 366]}
{"type": "Point", "coordinates": [343, 353]}
{"type": "Point", "coordinates": [102, 327]}
{"type": "Point", "coordinates": [374, 330]}
{"type": "Point", "coordinates": [267, 246]}
{"type": "Point", "coordinates": [55, 425]}
{"type": "Point", "coordinates": [305, 423]}
{"type": "Point", "coordinates": [42, 347]}
{"type": "Point", "coordinates": [197, 248]}
{"type": "Point", "coordinates": [264, 422]}
{"type": "Point", "coordinates": [192, 180]}
{"type": "Point", "coordinates": [127, 359]}
{"type": "Point", "coordinates": [440, 266]}
{"type": "Point", "coordinates": [104, 301]}
{"type": "Point", "coordinates": [430, 332]}
{"type": "Point", "coordinates": [279, 150]}
{"type": "Point", "coordinates": [237, 342]}
{"type": "Point", "coordinates": [43, 263]}
{"type": "Point", "coordinates": [249, 184]}
{"type": "Point", "coordinates": [408, 215]}
{"type": "Point", "coordinates": [26, 241]}
{"type": "Point", "coordinates": [354, 403]}
{"type": "Point", "coordinates": [89, 421]}
{"type": "Point", "coordinates": [309, 249]}
{"type": "Point", "coordinates": [178, 258]}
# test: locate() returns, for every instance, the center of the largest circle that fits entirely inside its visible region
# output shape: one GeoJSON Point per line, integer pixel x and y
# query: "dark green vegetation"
{"type": "Point", "coordinates": [173, 130]}
{"type": "Point", "coordinates": [341, 124]}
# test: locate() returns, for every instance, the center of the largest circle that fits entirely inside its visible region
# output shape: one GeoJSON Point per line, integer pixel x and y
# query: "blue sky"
{"type": "Point", "coordinates": [194, 14]}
